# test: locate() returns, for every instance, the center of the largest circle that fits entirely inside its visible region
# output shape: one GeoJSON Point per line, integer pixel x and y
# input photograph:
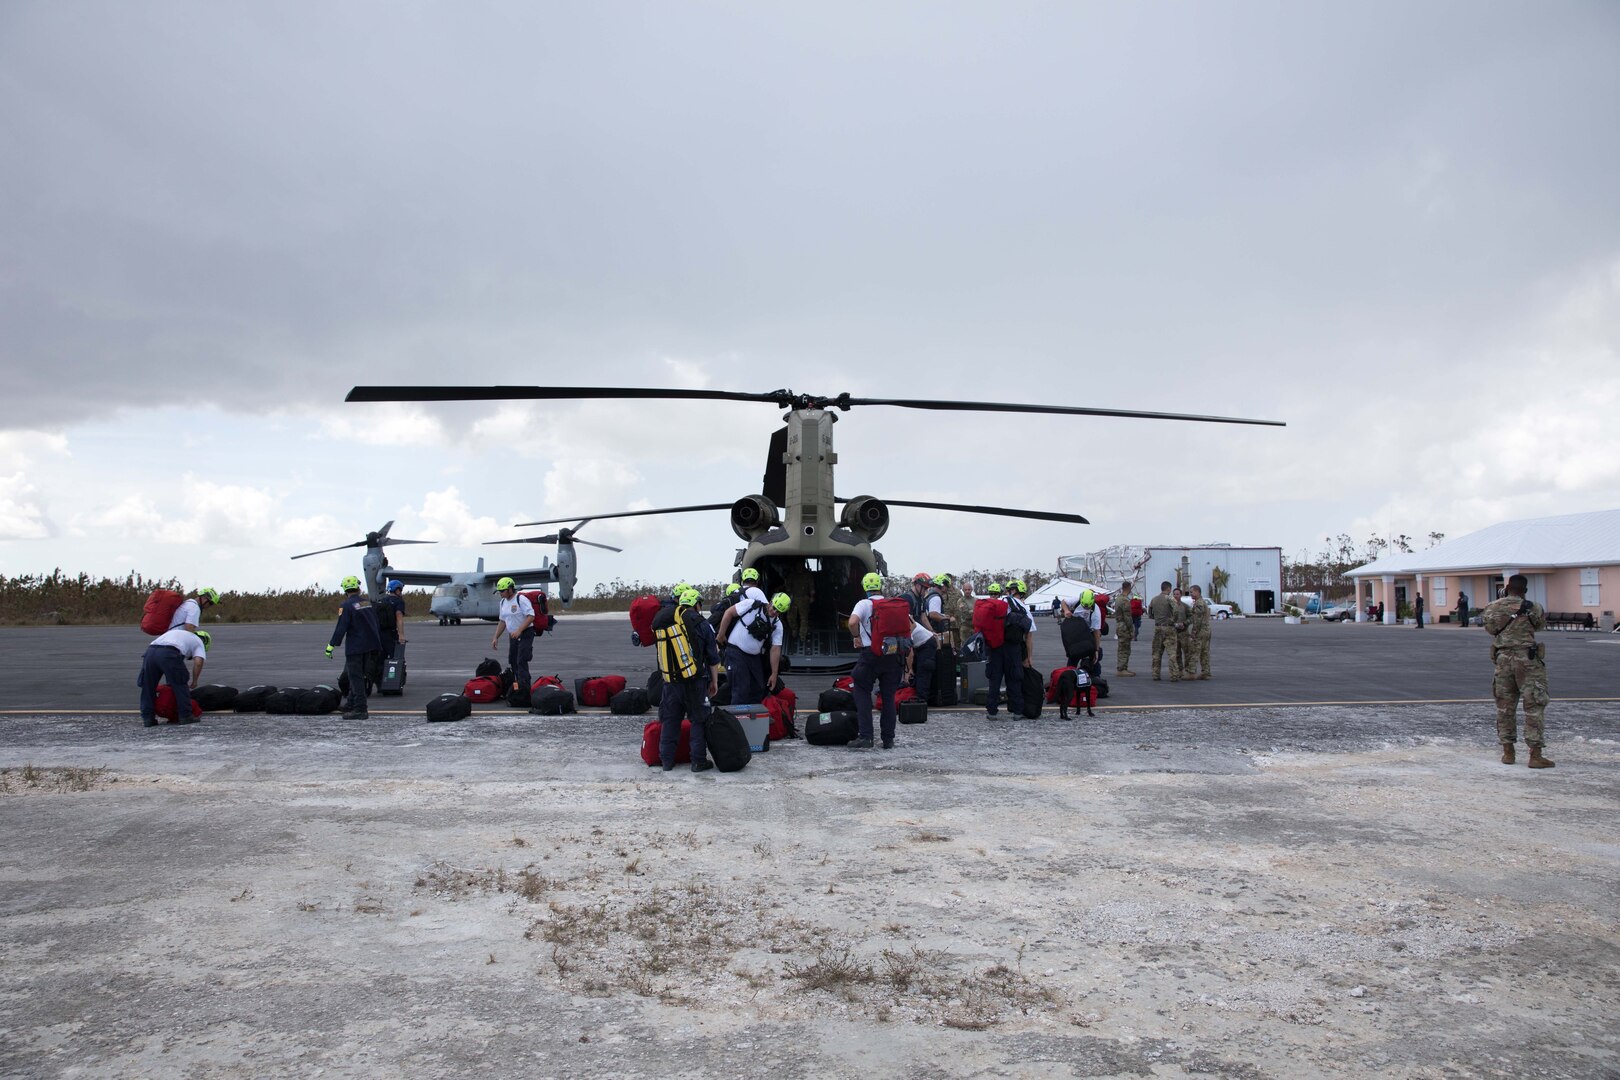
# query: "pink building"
{"type": "Point", "coordinates": [1572, 562]}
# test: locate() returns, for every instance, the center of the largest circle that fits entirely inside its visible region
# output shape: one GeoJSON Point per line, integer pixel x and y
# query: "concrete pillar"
{"type": "Point", "coordinates": [1390, 615]}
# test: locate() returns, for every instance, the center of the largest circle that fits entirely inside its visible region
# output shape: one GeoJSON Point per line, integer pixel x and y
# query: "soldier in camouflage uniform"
{"type": "Point", "coordinates": [1183, 639]}
{"type": "Point", "coordinates": [1165, 613]}
{"type": "Point", "coordinates": [1124, 630]}
{"type": "Point", "coordinates": [958, 620]}
{"type": "Point", "coordinates": [1521, 669]}
{"type": "Point", "coordinates": [1198, 632]}
{"type": "Point", "coordinates": [800, 585]}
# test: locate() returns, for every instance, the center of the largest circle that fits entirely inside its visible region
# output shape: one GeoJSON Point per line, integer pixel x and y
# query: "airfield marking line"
{"type": "Point", "coordinates": [117, 711]}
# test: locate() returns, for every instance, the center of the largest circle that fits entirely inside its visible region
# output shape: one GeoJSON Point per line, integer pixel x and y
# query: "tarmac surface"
{"type": "Point", "coordinates": [1255, 662]}
{"type": "Point", "coordinates": [1208, 879]}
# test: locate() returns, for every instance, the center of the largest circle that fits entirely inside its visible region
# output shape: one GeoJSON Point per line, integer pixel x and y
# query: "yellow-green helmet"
{"type": "Point", "coordinates": [942, 579]}
{"type": "Point", "coordinates": [688, 597]}
{"type": "Point", "coordinates": [350, 584]}
{"type": "Point", "coordinates": [1017, 584]}
{"type": "Point", "coordinates": [1088, 599]}
{"type": "Point", "coordinates": [750, 574]}
{"type": "Point", "coordinates": [504, 584]}
{"type": "Point", "coordinates": [207, 638]}
{"type": "Point", "coordinates": [872, 582]}
{"type": "Point", "coordinates": [995, 588]}
{"type": "Point", "coordinates": [781, 601]}
{"type": "Point", "coordinates": [211, 594]}
{"type": "Point", "coordinates": [733, 589]}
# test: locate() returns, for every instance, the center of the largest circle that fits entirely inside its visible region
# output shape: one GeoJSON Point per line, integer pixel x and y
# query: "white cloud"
{"type": "Point", "coordinates": [383, 424]}
{"type": "Point", "coordinates": [134, 517]}
{"type": "Point", "coordinates": [444, 516]}
{"type": "Point", "coordinates": [22, 511]}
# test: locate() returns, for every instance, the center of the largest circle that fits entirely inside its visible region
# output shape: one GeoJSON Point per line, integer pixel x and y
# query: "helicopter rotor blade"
{"type": "Point", "coordinates": [630, 514]}
{"type": "Point", "coordinates": [1060, 410]}
{"type": "Point", "coordinates": [593, 543]}
{"type": "Point", "coordinates": [323, 551]}
{"type": "Point", "coordinates": [786, 399]}
{"type": "Point", "coordinates": [549, 393]}
{"type": "Point", "coordinates": [391, 543]}
{"type": "Point", "coordinates": [555, 539]}
{"type": "Point", "coordinates": [996, 511]}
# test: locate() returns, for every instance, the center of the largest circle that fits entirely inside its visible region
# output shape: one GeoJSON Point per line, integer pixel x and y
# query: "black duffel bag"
{"type": "Point", "coordinates": [832, 728]}
{"type": "Point", "coordinates": [552, 701]}
{"type": "Point", "coordinates": [253, 698]}
{"type": "Point", "coordinates": [215, 698]}
{"type": "Point", "coordinates": [448, 707]}
{"type": "Point", "coordinates": [833, 700]}
{"type": "Point", "coordinates": [318, 700]}
{"type": "Point", "coordinates": [631, 701]}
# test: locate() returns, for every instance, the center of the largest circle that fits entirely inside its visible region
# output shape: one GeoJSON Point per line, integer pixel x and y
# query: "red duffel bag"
{"type": "Point", "coordinates": [167, 707]}
{"type": "Point", "coordinates": [655, 731]}
{"type": "Point", "coordinates": [597, 691]}
{"type": "Point", "coordinates": [484, 690]}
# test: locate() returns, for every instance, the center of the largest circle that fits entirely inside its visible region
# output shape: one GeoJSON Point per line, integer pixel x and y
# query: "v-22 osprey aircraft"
{"type": "Point", "coordinates": [466, 594]}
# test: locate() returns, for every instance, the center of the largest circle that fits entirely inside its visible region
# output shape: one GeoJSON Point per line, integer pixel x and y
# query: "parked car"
{"type": "Point", "coordinates": [1338, 613]}
{"type": "Point", "coordinates": [1217, 610]}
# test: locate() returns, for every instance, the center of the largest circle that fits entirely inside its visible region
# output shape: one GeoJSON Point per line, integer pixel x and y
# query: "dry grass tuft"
{"type": "Point", "coordinates": [53, 779]}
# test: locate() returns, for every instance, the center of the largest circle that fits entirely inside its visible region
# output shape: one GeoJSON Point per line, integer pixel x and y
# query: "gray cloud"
{"type": "Point", "coordinates": [244, 204]}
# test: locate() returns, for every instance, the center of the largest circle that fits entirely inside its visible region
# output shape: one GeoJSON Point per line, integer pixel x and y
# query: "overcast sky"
{"type": "Point", "coordinates": [1394, 226]}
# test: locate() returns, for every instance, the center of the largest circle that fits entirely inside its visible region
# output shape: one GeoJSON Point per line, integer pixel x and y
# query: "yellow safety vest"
{"type": "Point", "coordinates": [677, 657]}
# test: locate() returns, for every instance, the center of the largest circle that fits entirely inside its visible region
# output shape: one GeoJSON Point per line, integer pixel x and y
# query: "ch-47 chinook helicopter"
{"type": "Point", "coordinates": [468, 594]}
{"type": "Point", "coordinates": [793, 528]}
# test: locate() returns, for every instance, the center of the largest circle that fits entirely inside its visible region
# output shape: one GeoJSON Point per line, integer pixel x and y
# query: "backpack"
{"type": "Point", "coordinates": [989, 620]}
{"type": "Point", "coordinates": [545, 680]}
{"type": "Point", "coordinates": [1017, 624]}
{"type": "Point", "coordinates": [677, 652]}
{"type": "Point", "coordinates": [1136, 607]}
{"type": "Point", "coordinates": [487, 666]}
{"type": "Point", "coordinates": [543, 619]}
{"type": "Point", "coordinates": [642, 611]}
{"type": "Point", "coordinates": [728, 742]}
{"type": "Point", "coordinates": [891, 627]}
{"type": "Point", "coordinates": [1077, 639]}
{"type": "Point", "coordinates": [448, 707]}
{"type": "Point", "coordinates": [159, 611]}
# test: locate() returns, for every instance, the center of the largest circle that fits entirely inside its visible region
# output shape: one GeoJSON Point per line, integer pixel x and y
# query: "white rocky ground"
{"type": "Point", "coordinates": [1149, 896]}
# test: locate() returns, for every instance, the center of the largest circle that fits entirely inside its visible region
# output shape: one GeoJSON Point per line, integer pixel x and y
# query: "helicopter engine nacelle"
{"type": "Point", "coordinates": [866, 517]}
{"type": "Point", "coordinates": [752, 515]}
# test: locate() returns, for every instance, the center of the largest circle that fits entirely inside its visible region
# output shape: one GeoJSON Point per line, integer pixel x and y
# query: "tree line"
{"type": "Point", "coordinates": [1325, 572]}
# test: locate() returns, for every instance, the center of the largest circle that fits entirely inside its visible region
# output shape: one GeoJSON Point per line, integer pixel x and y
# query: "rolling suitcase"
{"type": "Point", "coordinates": [392, 683]}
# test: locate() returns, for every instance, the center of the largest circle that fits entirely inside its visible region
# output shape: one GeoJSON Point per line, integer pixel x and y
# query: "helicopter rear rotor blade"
{"type": "Point", "coordinates": [996, 511]}
{"type": "Point", "coordinates": [323, 551]}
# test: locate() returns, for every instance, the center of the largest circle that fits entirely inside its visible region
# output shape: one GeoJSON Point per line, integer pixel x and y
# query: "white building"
{"type": "Point", "coordinates": [1253, 574]}
{"type": "Point", "coordinates": [1572, 563]}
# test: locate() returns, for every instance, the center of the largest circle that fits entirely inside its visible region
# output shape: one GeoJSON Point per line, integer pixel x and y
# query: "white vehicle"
{"type": "Point", "coordinates": [1217, 610]}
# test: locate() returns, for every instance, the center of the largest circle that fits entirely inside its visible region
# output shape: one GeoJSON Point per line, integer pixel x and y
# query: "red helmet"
{"type": "Point", "coordinates": [924, 578]}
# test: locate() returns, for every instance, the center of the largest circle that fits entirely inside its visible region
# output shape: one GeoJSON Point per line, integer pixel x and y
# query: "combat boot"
{"type": "Point", "coordinates": [1127, 674]}
{"type": "Point", "coordinates": [1537, 761]}
{"type": "Point", "coordinates": [1507, 754]}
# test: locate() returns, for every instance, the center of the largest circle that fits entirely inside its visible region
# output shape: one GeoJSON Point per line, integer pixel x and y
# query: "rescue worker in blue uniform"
{"type": "Point", "coordinates": [690, 664]}
{"type": "Point", "coordinates": [166, 658]}
{"type": "Point", "coordinates": [884, 670]}
{"type": "Point", "coordinates": [358, 633]}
